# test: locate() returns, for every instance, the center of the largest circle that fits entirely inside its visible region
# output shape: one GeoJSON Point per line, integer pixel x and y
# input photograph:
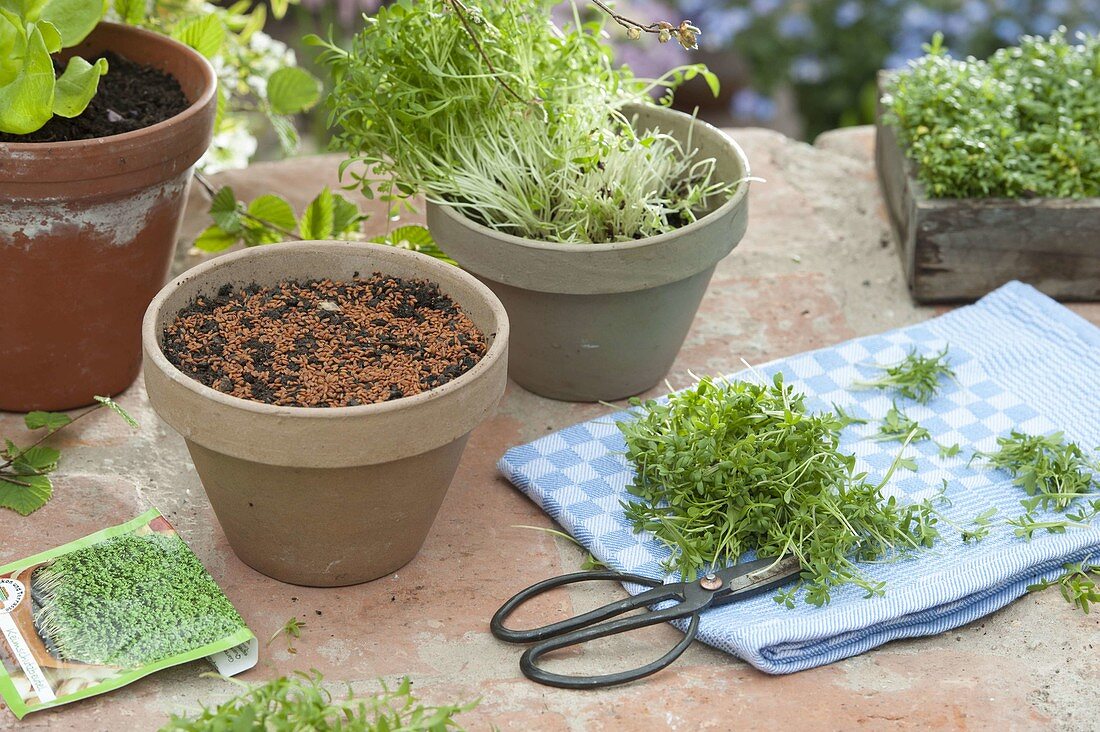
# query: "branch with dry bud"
{"type": "Point", "coordinates": [686, 34]}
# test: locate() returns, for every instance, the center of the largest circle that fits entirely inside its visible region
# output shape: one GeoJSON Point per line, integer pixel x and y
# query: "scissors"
{"type": "Point", "coordinates": [721, 587]}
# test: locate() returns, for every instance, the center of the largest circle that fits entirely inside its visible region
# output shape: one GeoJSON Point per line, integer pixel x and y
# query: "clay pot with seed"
{"type": "Point", "coordinates": [326, 496]}
{"type": "Point", "coordinates": [87, 233]}
{"type": "Point", "coordinates": [604, 321]}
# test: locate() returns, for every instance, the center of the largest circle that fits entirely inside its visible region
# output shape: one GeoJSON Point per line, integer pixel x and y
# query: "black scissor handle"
{"type": "Point", "coordinates": [528, 663]}
{"type": "Point", "coordinates": [580, 621]}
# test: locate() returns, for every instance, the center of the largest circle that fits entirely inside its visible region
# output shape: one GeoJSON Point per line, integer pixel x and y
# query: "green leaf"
{"type": "Point", "coordinates": [36, 460]}
{"type": "Point", "coordinates": [255, 234]}
{"type": "Point", "coordinates": [73, 19]}
{"type": "Point", "coordinates": [285, 131]}
{"type": "Point", "coordinates": [292, 89]}
{"type": "Point", "coordinates": [317, 219]}
{"type": "Point", "coordinates": [25, 494]}
{"type": "Point", "coordinates": [414, 237]}
{"type": "Point", "coordinates": [274, 210]}
{"type": "Point", "coordinates": [346, 218]}
{"type": "Point", "coordinates": [52, 421]}
{"type": "Point", "coordinates": [205, 34]}
{"type": "Point", "coordinates": [13, 40]}
{"type": "Point", "coordinates": [77, 85]}
{"type": "Point", "coordinates": [130, 11]}
{"type": "Point", "coordinates": [50, 36]}
{"type": "Point", "coordinates": [225, 210]}
{"type": "Point", "coordinates": [214, 239]}
{"type": "Point", "coordinates": [712, 81]}
{"type": "Point", "coordinates": [947, 451]}
{"type": "Point", "coordinates": [279, 8]}
{"type": "Point", "coordinates": [114, 407]}
{"type": "Point", "coordinates": [221, 103]}
{"type": "Point", "coordinates": [27, 102]}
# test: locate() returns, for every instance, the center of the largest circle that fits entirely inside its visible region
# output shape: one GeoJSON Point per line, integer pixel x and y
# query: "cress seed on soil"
{"type": "Point", "coordinates": [323, 343]}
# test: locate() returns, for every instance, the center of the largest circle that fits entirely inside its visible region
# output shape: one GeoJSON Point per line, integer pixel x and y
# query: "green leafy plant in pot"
{"type": "Point", "coordinates": [30, 91]}
{"type": "Point", "coordinates": [93, 191]}
{"type": "Point", "coordinates": [594, 214]}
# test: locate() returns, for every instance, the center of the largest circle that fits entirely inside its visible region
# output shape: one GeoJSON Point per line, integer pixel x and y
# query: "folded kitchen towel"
{"type": "Point", "coordinates": [1022, 362]}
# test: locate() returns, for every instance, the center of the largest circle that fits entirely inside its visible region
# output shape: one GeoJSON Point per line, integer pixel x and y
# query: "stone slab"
{"type": "Point", "coordinates": [817, 266]}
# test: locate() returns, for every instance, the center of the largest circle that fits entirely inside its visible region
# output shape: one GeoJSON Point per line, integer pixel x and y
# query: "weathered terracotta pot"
{"type": "Point", "coordinates": [604, 321]}
{"type": "Point", "coordinates": [326, 496]}
{"type": "Point", "coordinates": [87, 233]}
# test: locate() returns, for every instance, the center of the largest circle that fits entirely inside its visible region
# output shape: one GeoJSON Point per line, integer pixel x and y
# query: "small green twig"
{"type": "Point", "coordinates": [48, 435]}
{"type": "Point", "coordinates": [1080, 585]}
{"type": "Point", "coordinates": [916, 377]}
{"type": "Point", "coordinates": [898, 426]}
{"type": "Point", "coordinates": [212, 191]}
{"type": "Point", "coordinates": [292, 629]}
{"type": "Point", "coordinates": [28, 468]}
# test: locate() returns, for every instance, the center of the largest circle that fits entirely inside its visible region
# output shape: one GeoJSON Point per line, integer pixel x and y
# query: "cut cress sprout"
{"type": "Point", "coordinates": [726, 468]}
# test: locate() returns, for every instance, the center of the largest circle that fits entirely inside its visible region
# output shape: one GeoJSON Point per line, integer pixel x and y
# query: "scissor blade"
{"type": "Point", "coordinates": [759, 575]}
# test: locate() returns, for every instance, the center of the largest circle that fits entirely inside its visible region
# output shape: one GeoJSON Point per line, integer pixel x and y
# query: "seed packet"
{"type": "Point", "coordinates": [103, 611]}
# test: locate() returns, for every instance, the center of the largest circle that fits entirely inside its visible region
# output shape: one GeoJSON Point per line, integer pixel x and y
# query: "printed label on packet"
{"type": "Point", "coordinates": [233, 661]}
{"type": "Point", "coordinates": [12, 592]}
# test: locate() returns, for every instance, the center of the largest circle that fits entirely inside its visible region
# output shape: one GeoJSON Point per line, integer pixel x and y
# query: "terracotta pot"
{"type": "Point", "coordinates": [87, 233]}
{"type": "Point", "coordinates": [326, 496]}
{"type": "Point", "coordinates": [604, 321]}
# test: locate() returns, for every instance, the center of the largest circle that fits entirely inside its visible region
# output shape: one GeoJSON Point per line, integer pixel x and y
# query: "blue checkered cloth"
{"type": "Point", "coordinates": [1022, 362]}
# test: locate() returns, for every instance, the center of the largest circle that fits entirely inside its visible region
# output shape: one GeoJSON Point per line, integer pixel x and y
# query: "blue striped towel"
{"type": "Point", "coordinates": [1022, 362]}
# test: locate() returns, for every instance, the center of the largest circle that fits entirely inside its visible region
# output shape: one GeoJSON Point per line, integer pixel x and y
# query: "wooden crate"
{"type": "Point", "coordinates": [958, 249]}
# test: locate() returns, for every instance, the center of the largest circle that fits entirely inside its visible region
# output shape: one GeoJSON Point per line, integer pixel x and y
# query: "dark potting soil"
{"type": "Point", "coordinates": [130, 97]}
{"type": "Point", "coordinates": [325, 344]}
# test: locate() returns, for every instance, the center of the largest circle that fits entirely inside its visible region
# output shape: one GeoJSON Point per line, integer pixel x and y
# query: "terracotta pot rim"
{"type": "Point", "coordinates": [731, 203]}
{"type": "Point", "coordinates": [430, 265]}
{"type": "Point", "coordinates": [123, 138]}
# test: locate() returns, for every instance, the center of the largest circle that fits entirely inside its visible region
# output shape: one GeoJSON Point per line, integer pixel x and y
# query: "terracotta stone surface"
{"type": "Point", "coordinates": [817, 267]}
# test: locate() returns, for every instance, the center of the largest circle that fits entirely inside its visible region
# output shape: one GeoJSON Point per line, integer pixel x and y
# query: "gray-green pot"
{"type": "Point", "coordinates": [316, 496]}
{"type": "Point", "coordinates": [597, 322]}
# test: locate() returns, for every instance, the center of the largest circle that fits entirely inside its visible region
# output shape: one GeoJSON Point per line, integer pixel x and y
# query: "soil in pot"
{"type": "Point", "coordinates": [322, 343]}
{"type": "Point", "coordinates": [130, 97]}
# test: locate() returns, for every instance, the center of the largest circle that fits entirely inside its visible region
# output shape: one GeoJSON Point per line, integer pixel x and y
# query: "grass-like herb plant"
{"type": "Point", "coordinates": [915, 377]}
{"type": "Point", "coordinates": [31, 93]}
{"type": "Point", "coordinates": [301, 702]}
{"type": "Point", "coordinates": [291, 631]}
{"type": "Point", "coordinates": [1057, 475]}
{"type": "Point", "coordinates": [1047, 467]}
{"type": "Point", "coordinates": [1079, 584]}
{"type": "Point", "coordinates": [897, 426]}
{"type": "Point", "coordinates": [129, 601]}
{"type": "Point", "coordinates": [1021, 124]}
{"type": "Point", "coordinates": [724, 468]}
{"type": "Point", "coordinates": [492, 109]}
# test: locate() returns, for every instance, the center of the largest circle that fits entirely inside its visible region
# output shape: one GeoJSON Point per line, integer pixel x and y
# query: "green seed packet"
{"type": "Point", "coordinates": [103, 611]}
